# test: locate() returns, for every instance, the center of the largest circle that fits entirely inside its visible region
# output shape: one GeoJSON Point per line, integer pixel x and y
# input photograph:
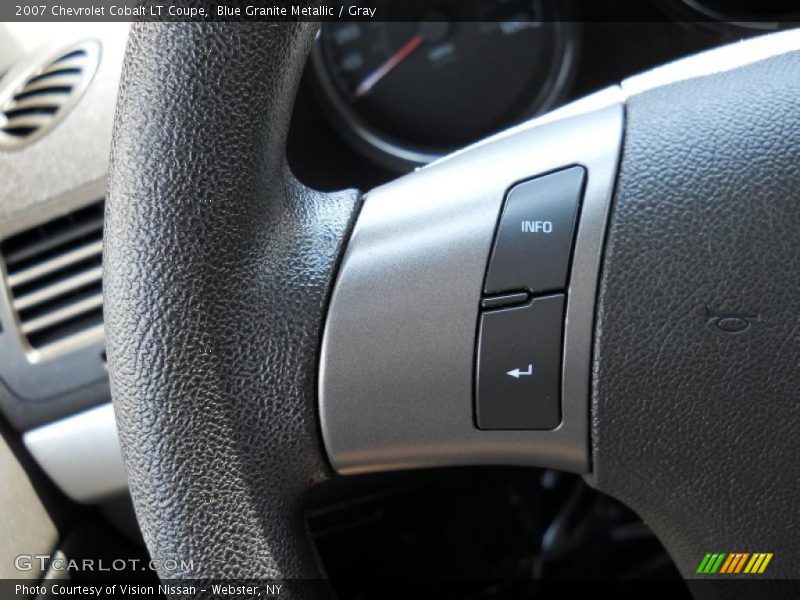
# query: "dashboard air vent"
{"type": "Point", "coordinates": [44, 95]}
{"type": "Point", "coordinates": [54, 276]}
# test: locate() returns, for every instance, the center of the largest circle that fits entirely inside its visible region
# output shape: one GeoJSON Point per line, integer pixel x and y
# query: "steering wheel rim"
{"type": "Point", "coordinates": [233, 260]}
{"type": "Point", "coordinates": [217, 273]}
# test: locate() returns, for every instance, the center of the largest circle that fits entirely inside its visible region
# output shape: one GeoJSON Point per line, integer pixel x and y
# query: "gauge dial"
{"type": "Point", "coordinates": [411, 91]}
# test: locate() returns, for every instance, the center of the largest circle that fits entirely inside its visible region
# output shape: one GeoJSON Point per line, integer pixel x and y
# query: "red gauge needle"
{"type": "Point", "coordinates": [395, 59]}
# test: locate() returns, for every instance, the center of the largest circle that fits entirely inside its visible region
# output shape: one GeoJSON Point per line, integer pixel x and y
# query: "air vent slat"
{"type": "Point", "coordinates": [56, 81]}
{"type": "Point", "coordinates": [55, 240]}
{"type": "Point", "coordinates": [62, 286]}
{"type": "Point", "coordinates": [44, 111]}
{"type": "Point", "coordinates": [67, 67]}
{"type": "Point", "coordinates": [19, 132]}
{"type": "Point", "coordinates": [62, 92]}
{"type": "Point", "coordinates": [70, 56]}
{"type": "Point", "coordinates": [26, 120]}
{"type": "Point", "coordinates": [64, 313]}
{"type": "Point", "coordinates": [57, 263]}
{"type": "Point", "coordinates": [77, 61]}
{"type": "Point", "coordinates": [30, 107]}
{"type": "Point", "coordinates": [85, 327]}
{"type": "Point", "coordinates": [38, 100]}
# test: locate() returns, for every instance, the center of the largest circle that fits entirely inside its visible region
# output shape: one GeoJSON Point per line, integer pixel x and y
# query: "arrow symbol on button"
{"type": "Point", "coordinates": [517, 373]}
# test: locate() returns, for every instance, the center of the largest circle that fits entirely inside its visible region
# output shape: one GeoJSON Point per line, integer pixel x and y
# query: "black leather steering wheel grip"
{"type": "Point", "coordinates": [218, 264]}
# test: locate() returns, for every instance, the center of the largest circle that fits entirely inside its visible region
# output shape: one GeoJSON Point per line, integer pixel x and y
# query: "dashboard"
{"type": "Point", "coordinates": [377, 100]}
{"type": "Point", "coordinates": [380, 99]}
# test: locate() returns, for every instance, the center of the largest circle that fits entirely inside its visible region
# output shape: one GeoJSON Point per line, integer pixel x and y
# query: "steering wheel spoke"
{"type": "Point", "coordinates": [405, 380]}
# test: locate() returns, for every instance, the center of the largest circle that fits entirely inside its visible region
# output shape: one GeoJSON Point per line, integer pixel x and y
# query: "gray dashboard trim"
{"type": "Point", "coordinates": [81, 454]}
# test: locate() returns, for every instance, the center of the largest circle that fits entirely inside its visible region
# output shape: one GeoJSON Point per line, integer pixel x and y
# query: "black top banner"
{"type": "Point", "coordinates": [771, 13]}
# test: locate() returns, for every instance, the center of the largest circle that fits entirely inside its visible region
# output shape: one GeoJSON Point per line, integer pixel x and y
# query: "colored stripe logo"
{"type": "Point", "coordinates": [734, 563]}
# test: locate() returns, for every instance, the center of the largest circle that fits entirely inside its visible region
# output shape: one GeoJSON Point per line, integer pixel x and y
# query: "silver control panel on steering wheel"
{"type": "Point", "coordinates": [460, 326]}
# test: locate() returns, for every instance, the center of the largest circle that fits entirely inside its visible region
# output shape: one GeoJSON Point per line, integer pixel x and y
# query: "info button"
{"type": "Point", "coordinates": [534, 240]}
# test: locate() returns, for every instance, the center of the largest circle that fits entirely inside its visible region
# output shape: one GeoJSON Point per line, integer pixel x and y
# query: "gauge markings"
{"type": "Point", "coordinates": [410, 89]}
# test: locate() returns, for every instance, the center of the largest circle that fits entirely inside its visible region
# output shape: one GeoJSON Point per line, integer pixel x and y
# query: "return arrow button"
{"type": "Point", "coordinates": [516, 373]}
{"type": "Point", "coordinates": [527, 337]}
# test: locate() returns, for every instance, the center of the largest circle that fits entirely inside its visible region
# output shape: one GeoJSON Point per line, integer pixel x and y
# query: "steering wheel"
{"type": "Point", "coordinates": [264, 337]}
